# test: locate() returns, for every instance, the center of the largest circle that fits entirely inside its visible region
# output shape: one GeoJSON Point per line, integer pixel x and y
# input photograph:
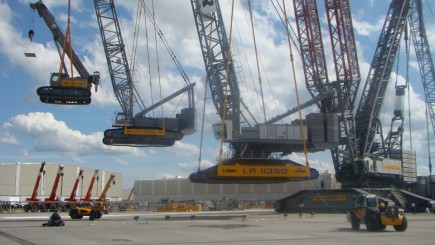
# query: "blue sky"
{"type": "Point", "coordinates": [33, 132]}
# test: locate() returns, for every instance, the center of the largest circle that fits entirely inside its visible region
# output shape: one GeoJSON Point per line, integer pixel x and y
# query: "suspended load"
{"type": "Point", "coordinates": [63, 88]}
{"type": "Point", "coordinates": [136, 125]}
{"type": "Point", "coordinates": [254, 171]}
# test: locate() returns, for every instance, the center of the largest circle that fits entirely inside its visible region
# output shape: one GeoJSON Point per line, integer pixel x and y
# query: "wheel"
{"type": "Point", "coordinates": [99, 214]}
{"type": "Point", "coordinates": [92, 215]}
{"type": "Point", "coordinates": [403, 226]}
{"type": "Point", "coordinates": [354, 222]}
{"type": "Point", "coordinates": [373, 221]}
{"type": "Point", "coordinates": [73, 214]}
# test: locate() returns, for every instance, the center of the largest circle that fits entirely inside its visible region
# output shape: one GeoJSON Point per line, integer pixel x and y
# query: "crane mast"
{"type": "Point", "coordinates": [88, 195]}
{"type": "Point", "coordinates": [33, 203]}
{"type": "Point", "coordinates": [59, 173]}
{"type": "Point", "coordinates": [348, 77]}
{"type": "Point", "coordinates": [72, 196]}
{"type": "Point", "coordinates": [214, 46]}
{"type": "Point", "coordinates": [63, 89]}
{"type": "Point", "coordinates": [424, 56]}
{"type": "Point", "coordinates": [367, 114]}
{"type": "Point", "coordinates": [103, 194]}
{"type": "Point", "coordinates": [38, 180]}
{"type": "Point", "coordinates": [133, 126]}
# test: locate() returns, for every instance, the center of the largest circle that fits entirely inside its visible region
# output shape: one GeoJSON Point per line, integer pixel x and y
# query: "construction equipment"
{"type": "Point", "coordinates": [88, 195]}
{"type": "Point", "coordinates": [363, 157]}
{"type": "Point", "coordinates": [52, 203]}
{"type": "Point", "coordinates": [127, 205]}
{"type": "Point", "coordinates": [33, 203]}
{"type": "Point", "coordinates": [72, 196]}
{"type": "Point", "coordinates": [135, 126]}
{"type": "Point", "coordinates": [259, 147]}
{"type": "Point", "coordinates": [94, 209]}
{"type": "Point", "coordinates": [376, 213]}
{"type": "Point", "coordinates": [64, 89]}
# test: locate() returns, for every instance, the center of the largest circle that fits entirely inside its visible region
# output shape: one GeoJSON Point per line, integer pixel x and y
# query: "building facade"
{"type": "Point", "coordinates": [17, 182]}
{"type": "Point", "coordinates": [181, 189]}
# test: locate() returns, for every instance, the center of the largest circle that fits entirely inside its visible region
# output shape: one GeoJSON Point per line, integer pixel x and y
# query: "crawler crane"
{"type": "Point", "coordinates": [64, 89]}
{"type": "Point", "coordinates": [134, 126]}
{"type": "Point", "coordinates": [33, 203]}
{"type": "Point", "coordinates": [254, 145]}
{"type": "Point", "coordinates": [364, 157]}
{"type": "Point", "coordinates": [52, 203]}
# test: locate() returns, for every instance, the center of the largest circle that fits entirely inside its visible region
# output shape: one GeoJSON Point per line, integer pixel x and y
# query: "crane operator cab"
{"type": "Point", "coordinates": [66, 90]}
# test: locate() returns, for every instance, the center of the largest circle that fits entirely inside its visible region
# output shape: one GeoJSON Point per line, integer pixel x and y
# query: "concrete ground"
{"type": "Point", "coordinates": [252, 227]}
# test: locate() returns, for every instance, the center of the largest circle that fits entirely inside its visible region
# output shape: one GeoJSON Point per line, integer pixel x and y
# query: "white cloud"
{"type": "Point", "coordinates": [180, 149]}
{"type": "Point", "coordinates": [47, 134]}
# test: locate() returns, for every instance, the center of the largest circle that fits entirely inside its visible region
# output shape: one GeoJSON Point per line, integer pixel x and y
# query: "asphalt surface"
{"type": "Point", "coordinates": [253, 227]}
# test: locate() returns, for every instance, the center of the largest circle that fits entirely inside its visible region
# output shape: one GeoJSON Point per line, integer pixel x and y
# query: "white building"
{"type": "Point", "coordinates": [180, 189]}
{"type": "Point", "coordinates": [17, 182]}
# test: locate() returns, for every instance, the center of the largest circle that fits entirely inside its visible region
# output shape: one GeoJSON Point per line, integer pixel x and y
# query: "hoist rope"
{"type": "Point", "coordinates": [148, 56]}
{"type": "Point", "coordinates": [135, 40]}
{"type": "Point", "coordinates": [296, 91]}
{"type": "Point", "coordinates": [67, 39]}
{"type": "Point", "coordinates": [256, 58]}
{"type": "Point", "coordinates": [409, 94]}
{"type": "Point", "coordinates": [158, 62]}
{"type": "Point", "coordinates": [250, 72]}
{"type": "Point", "coordinates": [226, 85]}
{"type": "Point", "coordinates": [202, 126]}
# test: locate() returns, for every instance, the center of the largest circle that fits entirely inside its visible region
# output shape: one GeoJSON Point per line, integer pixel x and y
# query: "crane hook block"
{"type": "Point", "coordinates": [31, 35]}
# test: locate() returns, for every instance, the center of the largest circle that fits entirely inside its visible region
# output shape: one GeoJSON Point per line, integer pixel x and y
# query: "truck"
{"type": "Point", "coordinates": [93, 209]}
{"type": "Point", "coordinates": [376, 213]}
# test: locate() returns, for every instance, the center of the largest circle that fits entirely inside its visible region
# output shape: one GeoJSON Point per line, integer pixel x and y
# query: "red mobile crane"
{"type": "Point", "coordinates": [51, 203]}
{"type": "Point", "coordinates": [72, 196]}
{"type": "Point", "coordinates": [87, 198]}
{"type": "Point", "coordinates": [33, 202]}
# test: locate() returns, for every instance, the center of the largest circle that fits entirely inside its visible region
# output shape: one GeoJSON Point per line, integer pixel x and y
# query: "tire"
{"type": "Point", "coordinates": [402, 227]}
{"type": "Point", "coordinates": [373, 221]}
{"type": "Point", "coordinates": [99, 214]}
{"type": "Point", "coordinates": [354, 222]}
{"type": "Point", "coordinates": [73, 214]}
{"type": "Point", "coordinates": [92, 215]}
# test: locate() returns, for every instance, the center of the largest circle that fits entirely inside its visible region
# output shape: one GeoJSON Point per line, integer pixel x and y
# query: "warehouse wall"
{"type": "Point", "coordinates": [182, 189]}
{"type": "Point", "coordinates": [17, 181]}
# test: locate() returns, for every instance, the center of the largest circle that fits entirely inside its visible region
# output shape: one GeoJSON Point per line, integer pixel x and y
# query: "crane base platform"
{"type": "Point", "coordinates": [64, 95]}
{"type": "Point", "coordinates": [254, 171]}
{"type": "Point", "coordinates": [116, 137]}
